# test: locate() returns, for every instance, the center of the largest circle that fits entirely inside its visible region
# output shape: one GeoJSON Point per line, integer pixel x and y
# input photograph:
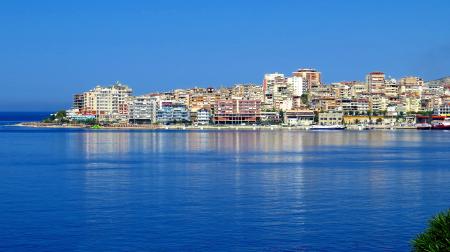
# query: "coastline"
{"type": "Point", "coordinates": [197, 127]}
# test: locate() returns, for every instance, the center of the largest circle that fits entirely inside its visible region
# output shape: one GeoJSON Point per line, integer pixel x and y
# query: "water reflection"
{"type": "Point", "coordinates": [107, 142]}
{"type": "Point", "coordinates": [235, 190]}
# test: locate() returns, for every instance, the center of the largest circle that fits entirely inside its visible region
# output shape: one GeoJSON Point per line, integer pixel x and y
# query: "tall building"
{"type": "Point", "coordinates": [172, 112]}
{"type": "Point", "coordinates": [279, 91]}
{"type": "Point", "coordinates": [375, 81]}
{"type": "Point", "coordinates": [107, 103]}
{"type": "Point", "coordinates": [78, 102]}
{"type": "Point", "coordinates": [142, 109]}
{"type": "Point", "coordinates": [310, 76]}
{"type": "Point", "coordinates": [296, 83]}
{"type": "Point", "coordinates": [270, 84]}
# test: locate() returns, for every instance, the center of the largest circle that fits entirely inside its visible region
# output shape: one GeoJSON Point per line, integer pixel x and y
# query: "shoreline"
{"type": "Point", "coordinates": [198, 127]}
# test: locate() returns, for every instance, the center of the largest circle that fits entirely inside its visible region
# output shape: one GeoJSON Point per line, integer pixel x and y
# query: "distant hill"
{"type": "Point", "coordinates": [439, 82]}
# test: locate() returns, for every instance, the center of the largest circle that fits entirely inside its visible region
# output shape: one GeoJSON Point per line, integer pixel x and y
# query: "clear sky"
{"type": "Point", "coordinates": [52, 49]}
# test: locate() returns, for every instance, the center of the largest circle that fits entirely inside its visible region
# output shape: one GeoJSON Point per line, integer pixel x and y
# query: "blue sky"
{"type": "Point", "coordinates": [52, 49]}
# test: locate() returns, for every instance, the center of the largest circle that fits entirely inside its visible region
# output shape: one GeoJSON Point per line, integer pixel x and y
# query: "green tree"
{"type": "Point", "coordinates": [304, 98]}
{"type": "Point", "coordinates": [61, 114]}
{"type": "Point", "coordinates": [281, 115]}
{"type": "Point", "coordinates": [426, 113]}
{"type": "Point", "coordinates": [437, 236]}
{"type": "Point", "coordinates": [91, 121]}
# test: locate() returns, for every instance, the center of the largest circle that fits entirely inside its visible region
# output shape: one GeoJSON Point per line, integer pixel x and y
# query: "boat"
{"type": "Point", "coordinates": [327, 127]}
{"type": "Point", "coordinates": [423, 126]}
{"type": "Point", "coordinates": [441, 124]}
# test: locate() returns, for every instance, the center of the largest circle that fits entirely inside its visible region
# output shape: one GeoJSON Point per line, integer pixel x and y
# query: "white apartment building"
{"type": "Point", "coordinates": [443, 110]}
{"type": "Point", "coordinates": [107, 103]}
{"type": "Point", "coordinates": [142, 109]}
{"type": "Point", "coordinates": [203, 117]}
{"type": "Point", "coordinates": [270, 83]}
{"type": "Point", "coordinates": [391, 88]}
{"type": "Point", "coordinates": [296, 83]}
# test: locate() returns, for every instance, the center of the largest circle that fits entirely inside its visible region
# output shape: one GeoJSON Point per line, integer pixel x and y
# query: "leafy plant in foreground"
{"type": "Point", "coordinates": [437, 236]}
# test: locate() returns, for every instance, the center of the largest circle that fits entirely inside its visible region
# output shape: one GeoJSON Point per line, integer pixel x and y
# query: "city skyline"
{"type": "Point", "coordinates": [57, 49]}
{"type": "Point", "coordinates": [297, 99]}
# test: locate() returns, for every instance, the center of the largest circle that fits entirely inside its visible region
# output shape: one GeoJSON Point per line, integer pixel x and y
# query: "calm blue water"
{"type": "Point", "coordinates": [7, 118]}
{"type": "Point", "coordinates": [85, 190]}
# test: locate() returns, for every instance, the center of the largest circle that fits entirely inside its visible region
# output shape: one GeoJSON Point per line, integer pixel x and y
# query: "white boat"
{"type": "Point", "coordinates": [441, 124]}
{"type": "Point", "coordinates": [423, 126]}
{"type": "Point", "coordinates": [327, 127]}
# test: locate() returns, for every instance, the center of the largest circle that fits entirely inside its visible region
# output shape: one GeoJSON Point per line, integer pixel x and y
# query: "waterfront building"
{"type": "Point", "coordinates": [201, 116]}
{"type": "Point", "coordinates": [330, 118]}
{"type": "Point", "coordinates": [107, 103]}
{"type": "Point", "coordinates": [75, 115]}
{"type": "Point", "coordinates": [172, 112]}
{"type": "Point", "coordinates": [78, 102]}
{"type": "Point", "coordinates": [299, 117]}
{"type": "Point", "coordinates": [270, 117]}
{"type": "Point", "coordinates": [237, 111]}
{"type": "Point", "coordinates": [443, 110]}
{"type": "Point", "coordinates": [142, 109]}
{"type": "Point", "coordinates": [362, 119]}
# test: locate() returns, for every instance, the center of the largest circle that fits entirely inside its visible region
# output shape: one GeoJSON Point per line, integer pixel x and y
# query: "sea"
{"type": "Point", "coordinates": [227, 190]}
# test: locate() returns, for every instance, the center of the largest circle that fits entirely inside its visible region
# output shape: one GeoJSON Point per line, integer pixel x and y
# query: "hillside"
{"type": "Point", "coordinates": [439, 82]}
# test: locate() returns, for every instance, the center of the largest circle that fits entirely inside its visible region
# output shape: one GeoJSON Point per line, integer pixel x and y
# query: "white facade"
{"type": "Point", "coordinates": [142, 109]}
{"type": "Point", "coordinates": [203, 117]}
{"type": "Point", "coordinates": [107, 103]}
{"type": "Point", "coordinates": [297, 85]}
{"type": "Point", "coordinates": [443, 110]}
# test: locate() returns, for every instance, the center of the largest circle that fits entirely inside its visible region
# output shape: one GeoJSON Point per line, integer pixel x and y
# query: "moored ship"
{"type": "Point", "coordinates": [327, 127]}
{"type": "Point", "coordinates": [423, 126]}
{"type": "Point", "coordinates": [441, 124]}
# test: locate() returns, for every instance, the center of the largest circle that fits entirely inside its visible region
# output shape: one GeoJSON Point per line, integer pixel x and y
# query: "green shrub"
{"type": "Point", "coordinates": [437, 236]}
